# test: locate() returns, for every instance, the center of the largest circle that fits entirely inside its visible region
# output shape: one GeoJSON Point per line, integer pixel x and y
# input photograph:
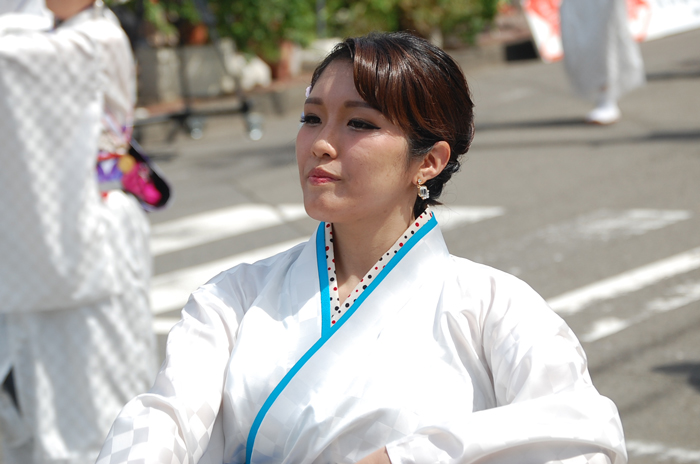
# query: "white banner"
{"type": "Point", "coordinates": [648, 19]}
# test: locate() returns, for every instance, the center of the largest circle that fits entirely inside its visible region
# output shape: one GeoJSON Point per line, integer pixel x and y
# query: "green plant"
{"type": "Point", "coordinates": [260, 26]}
{"type": "Point", "coordinates": [464, 18]}
{"type": "Point", "coordinates": [356, 17]}
{"type": "Point", "coordinates": [162, 15]}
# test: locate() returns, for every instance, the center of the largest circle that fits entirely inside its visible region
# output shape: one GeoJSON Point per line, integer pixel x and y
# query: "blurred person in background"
{"type": "Point", "coordinates": [602, 59]}
{"type": "Point", "coordinates": [75, 327]}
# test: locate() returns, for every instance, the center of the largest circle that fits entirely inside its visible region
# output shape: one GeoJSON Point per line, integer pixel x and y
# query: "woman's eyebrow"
{"type": "Point", "coordinates": [357, 103]}
{"type": "Point", "coordinates": [347, 104]}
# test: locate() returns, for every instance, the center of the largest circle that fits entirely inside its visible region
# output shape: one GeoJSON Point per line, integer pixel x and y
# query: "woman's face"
{"type": "Point", "coordinates": [353, 162]}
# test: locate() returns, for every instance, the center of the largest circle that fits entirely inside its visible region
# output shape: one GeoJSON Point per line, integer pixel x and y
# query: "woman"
{"type": "Point", "coordinates": [370, 343]}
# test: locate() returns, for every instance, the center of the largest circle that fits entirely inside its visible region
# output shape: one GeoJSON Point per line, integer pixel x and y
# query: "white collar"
{"type": "Point", "coordinates": [23, 22]}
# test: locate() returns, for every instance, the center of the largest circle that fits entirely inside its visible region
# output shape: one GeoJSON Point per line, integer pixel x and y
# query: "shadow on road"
{"type": "Point", "coordinates": [654, 136]}
{"type": "Point", "coordinates": [670, 75]}
{"type": "Point", "coordinates": [689, 369]}
{"type": "Point", "coordinates": [678, 135]}
{"type": "Point", "coordinates": [542, 123]}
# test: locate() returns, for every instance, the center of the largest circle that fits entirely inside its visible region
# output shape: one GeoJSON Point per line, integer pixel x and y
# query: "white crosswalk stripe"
{"type": "Point", "coordinates": [605, 224]}
{"type": "Point", "coordinates": [210, 226]}
{"type": "Point", "coordinates": [661, 452]}
{"type": "Point", "coordinates": [682, 295]}
{"type": "Point", "coordinates": [574, 301]}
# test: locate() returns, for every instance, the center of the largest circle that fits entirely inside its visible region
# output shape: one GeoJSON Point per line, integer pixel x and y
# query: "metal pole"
{"type": "Point", "coordinates": [321, 18]}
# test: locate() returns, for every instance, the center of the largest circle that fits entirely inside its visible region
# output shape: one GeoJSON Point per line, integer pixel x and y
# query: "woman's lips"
{"type": "Point", "coordinates": [319, 177]}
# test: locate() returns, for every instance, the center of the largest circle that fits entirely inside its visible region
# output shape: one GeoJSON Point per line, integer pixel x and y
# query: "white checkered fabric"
{"type": "Point", "coordinates": [54, 87]}
{"type": "Point", "coordinates": [74, 269]}
{"type": "Point", "coordinates": [445, 361]}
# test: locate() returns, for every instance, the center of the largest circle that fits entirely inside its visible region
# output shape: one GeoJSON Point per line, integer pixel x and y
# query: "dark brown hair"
{"type": "Point", "coordinates": [418, 87]}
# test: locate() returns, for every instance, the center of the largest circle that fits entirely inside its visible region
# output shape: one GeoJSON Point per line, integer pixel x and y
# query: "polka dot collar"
{"type": "Point", "coordinates": [338, 307]}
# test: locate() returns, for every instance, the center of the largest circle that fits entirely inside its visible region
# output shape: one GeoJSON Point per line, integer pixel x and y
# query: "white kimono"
{"type": "Point", "coordinates": [75, 324]}
{"type": "Point", "coordinates": [602, 59]}
{"type": "Point", "coordinates": [439, 359]}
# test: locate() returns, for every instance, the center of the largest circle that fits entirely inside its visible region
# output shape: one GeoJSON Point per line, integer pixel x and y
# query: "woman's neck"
{"type": "Point", "coordinates": [358, 246]}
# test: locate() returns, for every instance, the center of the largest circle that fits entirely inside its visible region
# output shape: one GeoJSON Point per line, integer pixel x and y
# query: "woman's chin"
{"type": "Point", "coordinates": [322, 211]}
{"type": "Point", "coordinates": [314, 210]}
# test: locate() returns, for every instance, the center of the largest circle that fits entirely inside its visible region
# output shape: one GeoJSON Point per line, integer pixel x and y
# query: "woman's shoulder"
{"type": "Point", "coordinates": [476, 276]}
{"type": "Point", "coordinates": [261, 268]}
{"type": "Point", "coordinates": [497, 294]}
{"type": "Point", "coordinates": [243, 281]}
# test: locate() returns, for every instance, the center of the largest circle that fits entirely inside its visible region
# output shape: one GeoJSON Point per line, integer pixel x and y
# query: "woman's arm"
{"type": "Point", "coordinates": [173, 422]}
{"type": "Point", "coordinates": [547, 407]}
{"type": "Point", "coordinates": [378, 457]}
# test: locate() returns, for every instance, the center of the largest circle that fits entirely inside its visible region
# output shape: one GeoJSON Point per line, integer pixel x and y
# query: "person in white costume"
{"type": "Point", "coordinates": [370, 343]}
{"type": "Point", "coordinates": [75, 328]}
{"type": "Point", "coordinates": [602, 59]}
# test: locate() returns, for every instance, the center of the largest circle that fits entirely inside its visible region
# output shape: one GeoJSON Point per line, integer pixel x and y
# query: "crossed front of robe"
{"type": "Point", "coordinates": [440, 360]}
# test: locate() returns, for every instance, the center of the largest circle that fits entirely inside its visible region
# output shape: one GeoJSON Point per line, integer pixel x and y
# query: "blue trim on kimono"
{"type": "Point", "coordinates": [327, 330]}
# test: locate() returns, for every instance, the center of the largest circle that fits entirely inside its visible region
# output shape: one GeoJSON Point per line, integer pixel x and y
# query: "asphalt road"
{"type": "Point", "coordinates": [603, 221]}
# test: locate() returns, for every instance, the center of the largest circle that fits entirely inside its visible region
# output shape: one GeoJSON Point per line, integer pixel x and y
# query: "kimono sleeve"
{"type": "Point", "coordinates": [173, 422]}
{"type": "Point", "coordinates": [547, 411]}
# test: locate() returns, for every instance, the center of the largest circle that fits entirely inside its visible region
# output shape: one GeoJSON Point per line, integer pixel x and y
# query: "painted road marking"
{"type": "Point", "coordinates": [169, 292]}
{"type": "Point", "coordinates": [605, 225]}
{"type": "Point", "coordinates": [681, 295]}
{"type": "Point", "coordinates": [162, 325]}
{"type": "Point", "coordinates": [210, 226]}
{"type": "Point", "coordinates": [557, 242]}
{"type": "Point", "coordinates": [452, 217]}
{"type": "Point", "coordinates": [576, 300]}
{"type": "Point", "coordinates": [207, 227]}
{"type": "Point", "coordinates": [662, 452]}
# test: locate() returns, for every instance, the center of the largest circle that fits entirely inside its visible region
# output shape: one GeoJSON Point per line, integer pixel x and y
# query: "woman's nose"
{"type": "Point", "coordinates": [323, 145]}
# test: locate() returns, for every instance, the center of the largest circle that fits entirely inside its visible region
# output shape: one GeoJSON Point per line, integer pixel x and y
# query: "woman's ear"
{"type": "Point", "coordinates": [434, 162]}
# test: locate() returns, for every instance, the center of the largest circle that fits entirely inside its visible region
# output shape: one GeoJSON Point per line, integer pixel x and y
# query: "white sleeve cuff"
{"type": "Point", "coordinates": [415, 449]}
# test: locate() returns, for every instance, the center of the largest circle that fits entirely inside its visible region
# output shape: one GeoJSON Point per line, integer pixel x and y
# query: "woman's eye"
{"type": "Point", "coordinates": [310, 119]}
{"type": "Point", "coordinates": [360, 124]}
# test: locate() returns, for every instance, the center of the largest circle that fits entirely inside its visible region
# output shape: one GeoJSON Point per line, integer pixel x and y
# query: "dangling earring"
{"type": "Point", "coordinates": [423, 191]}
